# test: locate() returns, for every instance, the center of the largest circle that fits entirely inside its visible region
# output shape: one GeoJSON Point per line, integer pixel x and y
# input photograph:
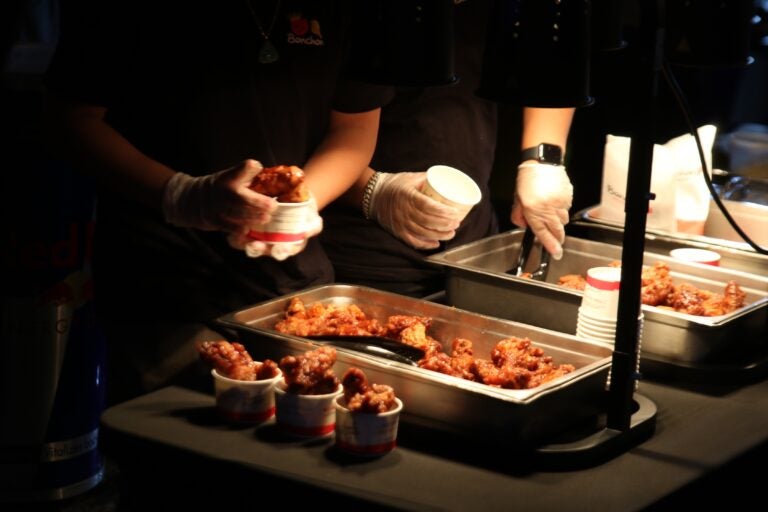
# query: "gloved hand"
{"type": "Point", "coordinates": [313, 224]}
{"type": "Point", "coordinates": [399, 207]}
{"type": "Point", "coordinates": [219, 201]}
{"type": "Point", "coordinates": [543, 196]}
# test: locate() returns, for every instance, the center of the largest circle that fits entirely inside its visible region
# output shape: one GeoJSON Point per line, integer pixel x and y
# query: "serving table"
{"type": "Point", "coordinates": [697, 449]}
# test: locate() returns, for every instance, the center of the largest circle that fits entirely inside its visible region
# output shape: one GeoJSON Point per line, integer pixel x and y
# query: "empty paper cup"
{"type": "Point", "coordinates": [696, 256]}
{"type": "Point", "coordinates": [452, 187]}
{"type": "Point", "coordinates": [305, 415]}
{"type": "Point", "coordinates": [366, 434]}
{"type": "Point", "coordinates": [601, 293]}
{"type": "Point", "coordinates": [245, 401]}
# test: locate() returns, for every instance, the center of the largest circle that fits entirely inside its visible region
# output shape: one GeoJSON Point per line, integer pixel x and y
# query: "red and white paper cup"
{"type": "Point", "coordinates": [601, 294]}
{"type": "Point", "coordinates": [366, 434]}
{"type": "Point", "coordinates": [287, 224]}
{"type": "Point", "coordinates": [245, 401]}
{"type": "Point", "coordinates": [305, 415]}
{"type": "Point", "coordinates": [692, 255]}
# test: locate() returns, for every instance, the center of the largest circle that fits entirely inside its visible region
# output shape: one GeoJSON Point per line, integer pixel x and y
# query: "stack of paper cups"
{"type": "Point", "coordinates": [599, 310]}
{"type": "Point", "coordinates": [599, 304]}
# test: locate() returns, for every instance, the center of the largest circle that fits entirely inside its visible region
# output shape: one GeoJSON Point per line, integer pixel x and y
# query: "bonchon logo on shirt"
{"type": "Point", "coordinates": [304, 31]}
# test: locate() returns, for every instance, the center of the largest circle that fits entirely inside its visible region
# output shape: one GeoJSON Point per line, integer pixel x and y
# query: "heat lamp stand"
{"type": "Point", "coordinates": [630, 417]}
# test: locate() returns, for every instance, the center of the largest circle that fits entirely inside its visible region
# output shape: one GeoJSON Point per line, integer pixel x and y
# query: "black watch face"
{"type": "Point", "coordinates": [551, 154]}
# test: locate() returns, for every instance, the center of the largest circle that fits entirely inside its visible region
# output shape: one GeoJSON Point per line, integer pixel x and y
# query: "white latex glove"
{"type": "Point", "coordinates": [220, 201]}
{"type": "Point", "coordinates": [543, 196]}
{"type": "Point", "coordinates": [399, 207]}
{"type": "Point", "coordinates": [278, 250]}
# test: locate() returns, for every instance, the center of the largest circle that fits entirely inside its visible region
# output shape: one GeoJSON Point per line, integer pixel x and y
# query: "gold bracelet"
{"type": "Point", "coordinates": [367, 193]}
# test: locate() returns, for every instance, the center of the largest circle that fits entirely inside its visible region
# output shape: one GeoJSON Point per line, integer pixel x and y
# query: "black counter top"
{"type": "Point", "coordinates": [696, 434]}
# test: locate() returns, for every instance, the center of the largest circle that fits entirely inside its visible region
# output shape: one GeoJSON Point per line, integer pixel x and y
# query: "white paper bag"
{"type": "Point", "coordinates": [692, 194]}
{"type": "Point", "coordinates": [682, 197]}
{"type": "Point", "coordinates": [661, 210]}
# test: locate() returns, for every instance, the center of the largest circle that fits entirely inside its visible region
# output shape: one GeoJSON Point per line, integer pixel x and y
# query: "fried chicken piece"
{"type": "Point", "coordinates": [517, 364]}
{"type": "Point", "coordinates": [439, 362]}
{"type": "Point", "coordinates": [462, 359]}
{"type": "Point", "coordinates": [267, 370]}
{"type": "Point", "coordinates": [362, 397]}
{"type": "Point", "coordinates": [461, 362]}
{"type": "Point", "coordinates": [656, 284]}
{"type": "Point", "coordinates": [396, 324]}
{"type": "Point", "coordinates": [508, 377]}
{"type": "Point", "coordinates": [416, 335]}
{"type": "Point", "coordinates": [310, 373]}
{"type": "Point", "coordinates": [285, 182]}
{"type": "Point", "coordinates": [552, 372]}
{"type": "Point", "coordinates": [686, 298]}
{"type": "Point", "coordinates": [354, 382]}
{"type": "Point", "coordinates": [733, 297]}
{"type": "Point", "coordinates": [573, 281]}
{"type": "Point", "coordinates": [518, 352]}
{"type": "Point", "coordinates": [232, 360]}
{"type": "Point", "coordinates": [322, 320]}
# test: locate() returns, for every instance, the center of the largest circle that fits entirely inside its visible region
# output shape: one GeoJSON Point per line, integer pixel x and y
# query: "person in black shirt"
{"type": "Point", "coordinates": [448, 125]}
{"type": "Point", "coordinates": [174, 107]}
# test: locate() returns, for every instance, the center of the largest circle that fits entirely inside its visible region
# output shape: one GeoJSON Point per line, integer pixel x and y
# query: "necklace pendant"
{"type": "Point", "coordinates": [268, 53]}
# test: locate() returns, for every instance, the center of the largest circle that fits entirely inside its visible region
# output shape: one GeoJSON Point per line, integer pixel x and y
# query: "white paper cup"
{"type": "Point", "coordinates": [596, 328]}
{"type": "Point", "coordinates": [452, 187]}
{"type": "Point", "coordinates": [601, 293]}
{"type": "Point", "coordinates": [287, 225]}
{"type": "Point", "coordinates": [597, 321]}
{"type": "Point", "coordinates": [583, 332]}
{"type": "Point", "coordinates": [245, 401]}
{"type": "Point", "coordinates": [366, 434]}
{"type": "Point", "coordinates": [696, 256]}
{"type": "Point", "coordinates": [305, 415]}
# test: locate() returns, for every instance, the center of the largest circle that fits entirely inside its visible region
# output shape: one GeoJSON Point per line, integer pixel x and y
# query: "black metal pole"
{"type": "Point", "coordinates": [624, 363]}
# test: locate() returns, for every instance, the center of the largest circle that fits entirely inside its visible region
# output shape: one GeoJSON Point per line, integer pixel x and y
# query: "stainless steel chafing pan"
{"type": "Point", "coordinates": [718, 235]}
{"type": "Point", "coordinates": [440, 401]}
{"type": "Point", "coordinates": [478, 280]}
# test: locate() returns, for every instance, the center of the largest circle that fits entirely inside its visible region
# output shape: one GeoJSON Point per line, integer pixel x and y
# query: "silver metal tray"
{"type": "Point", "coordinates": [440, 401]}
{"type": "Point", "coordinates": [718, 235]}
{"type": "Point", "coordinates": [478, 281]}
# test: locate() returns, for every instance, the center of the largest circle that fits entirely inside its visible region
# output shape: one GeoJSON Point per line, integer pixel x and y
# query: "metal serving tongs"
{"type": "Point", "coordinates": [540, 274]}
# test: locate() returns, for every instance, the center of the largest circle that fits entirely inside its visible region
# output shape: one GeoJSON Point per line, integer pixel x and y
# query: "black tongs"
{"type": "Point", "coordinates": [540, 274]}
{"type": "Point", "coordinates": [376, 346]}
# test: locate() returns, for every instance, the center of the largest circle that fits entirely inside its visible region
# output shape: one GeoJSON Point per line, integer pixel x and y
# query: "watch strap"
{"type": "Point", "coordinates": [543, 153]}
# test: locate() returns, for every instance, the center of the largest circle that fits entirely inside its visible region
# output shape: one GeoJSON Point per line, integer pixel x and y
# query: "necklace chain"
{"type": "Point", "coordinates": [264, 34]}
{"type": "Point", "coordinates": [267, 53]}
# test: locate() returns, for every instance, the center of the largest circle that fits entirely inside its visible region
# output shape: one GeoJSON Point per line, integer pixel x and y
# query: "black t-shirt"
{"type": "Point", "coordinates": [182, 81]}
{"type": "Point", "coordinates": [447, 125]}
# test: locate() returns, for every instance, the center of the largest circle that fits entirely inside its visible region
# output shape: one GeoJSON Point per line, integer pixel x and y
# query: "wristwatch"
{"type": "Point", "coordinates": [543, 153]}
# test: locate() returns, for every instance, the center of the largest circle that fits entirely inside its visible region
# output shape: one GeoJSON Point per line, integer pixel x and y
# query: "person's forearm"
{"type": "Point", "coordinates": [546, 125]}
{"type": "Point", "coordinates": [342, 159]}
{"type": "Point", "coordinates": [80, 134]}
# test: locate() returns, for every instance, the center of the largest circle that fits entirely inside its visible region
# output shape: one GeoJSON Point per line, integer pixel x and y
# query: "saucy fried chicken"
{"type": "Point", "coordinates": [232, 360]}
{"type": "Point", "coordinates": [515, 363]}
{"type": "Point", "coordinates": [327, 320]}
{"type": "Point", "coordinates": [658, 289]}
{"type": "Point", "coordinates": [284, 182]}
{"type": "Point", "coordinates": [310, 373]}
{"type": "Point", "coordinates": [361, 396]}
